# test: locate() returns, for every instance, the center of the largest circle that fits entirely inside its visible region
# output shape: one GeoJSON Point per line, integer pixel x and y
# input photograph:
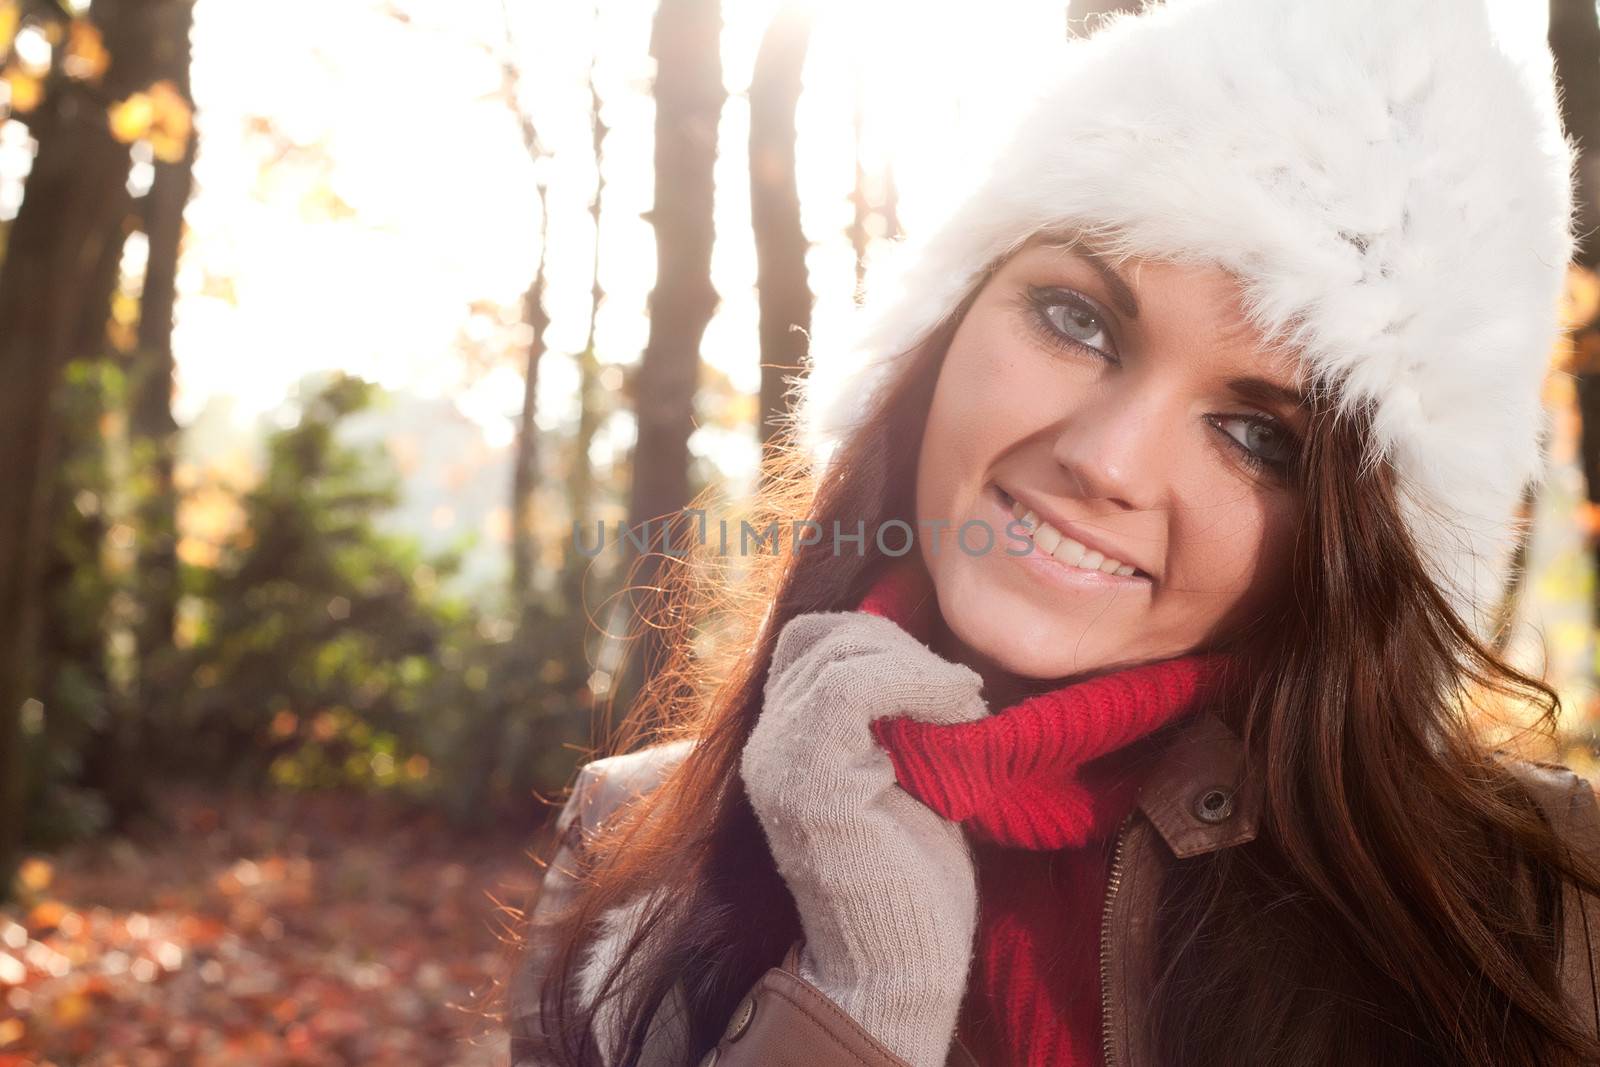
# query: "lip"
{"type": "Point", "coordinates": [1046, 569]}
{"type": "Point", "coordinates": [1077, 533]}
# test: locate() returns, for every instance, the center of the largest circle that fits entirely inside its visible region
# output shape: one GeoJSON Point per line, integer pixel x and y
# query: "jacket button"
{"type": "Point", "coordinates": [1214, 805]}
{"type": "Point", "coordinates": [741, 1019]}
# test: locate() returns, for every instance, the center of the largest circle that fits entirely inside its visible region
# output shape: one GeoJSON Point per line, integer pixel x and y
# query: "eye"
{"type": "Point", "coordinates": [1264, 441]}
{"type": "Point", "coordinates": [1067, 317]}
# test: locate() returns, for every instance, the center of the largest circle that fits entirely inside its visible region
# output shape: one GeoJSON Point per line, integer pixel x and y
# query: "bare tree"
{"type": "Point", "coordinates": [152, 430]}
{"type": "Point", "coordinates": [784, 291]}
{"type": "Point", "coordinates": [689, 94]}
{"type": "Point", "coordinates": [525, 465]}
{"type": "Point", "coordinates": [1574, 37]}
{"type": "Point", "coordinates": [880, 212]}
{"type": "Point", "coordinates": [51, 282]}
{"type": "Point", "coordinates": [1575, 43]}
{"type": "Point", "coordinates": [580, 481]}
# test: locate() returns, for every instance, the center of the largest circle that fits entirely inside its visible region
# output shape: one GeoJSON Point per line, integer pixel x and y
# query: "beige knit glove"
{"type": "Point", "coordinates": [885, 887]}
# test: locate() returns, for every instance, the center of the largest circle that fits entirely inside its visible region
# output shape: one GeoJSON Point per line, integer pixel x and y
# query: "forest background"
{"type": "Point", "coordinates": [322, 325]}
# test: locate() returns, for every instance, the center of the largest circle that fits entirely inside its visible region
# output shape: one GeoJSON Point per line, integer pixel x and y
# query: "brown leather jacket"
{"type": "Point", "coordinates": [1194, 802]}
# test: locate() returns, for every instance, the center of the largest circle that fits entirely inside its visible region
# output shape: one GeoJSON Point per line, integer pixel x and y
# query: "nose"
{"type": "Point", "coordinates": [1117, 446]}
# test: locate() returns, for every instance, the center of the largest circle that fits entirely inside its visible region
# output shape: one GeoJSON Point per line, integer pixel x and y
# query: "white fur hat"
{"type": "Point", "coordinates": [1393, 190]}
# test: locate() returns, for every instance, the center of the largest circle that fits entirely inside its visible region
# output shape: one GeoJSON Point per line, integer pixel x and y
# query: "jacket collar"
{"type": "Point", "coordinates": [1198, 795]}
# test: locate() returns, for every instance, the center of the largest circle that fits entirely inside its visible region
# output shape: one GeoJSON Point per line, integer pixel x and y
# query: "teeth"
{"type": "Point", "coordinates": [1070, 551]}
{"type": "Point", "coordinates": [1047, 538]}
{"type": "Point", "coordinates": [1073, 553]}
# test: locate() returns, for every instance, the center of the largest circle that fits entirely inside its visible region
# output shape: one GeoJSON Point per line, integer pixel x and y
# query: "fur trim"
{"type": "Point", "coordinates": [605, 953]}
{"type": "Point", "coordinates": [1392, 189]}
{"type": "Point", "coordinates": [666, 1038]}
{"type": "Point", "coordinates": [607, 785]}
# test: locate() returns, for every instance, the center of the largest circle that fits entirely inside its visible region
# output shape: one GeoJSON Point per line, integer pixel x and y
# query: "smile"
{"type": "Point", "coordinates": [1062, 548]}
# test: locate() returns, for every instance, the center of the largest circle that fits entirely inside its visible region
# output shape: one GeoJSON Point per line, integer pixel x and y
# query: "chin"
{"type": "Point", "coordinates": [1016, 636]}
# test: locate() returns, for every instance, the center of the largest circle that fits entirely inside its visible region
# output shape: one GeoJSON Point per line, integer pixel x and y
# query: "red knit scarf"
{"type": "Point", "coordinates": [1041, 786]}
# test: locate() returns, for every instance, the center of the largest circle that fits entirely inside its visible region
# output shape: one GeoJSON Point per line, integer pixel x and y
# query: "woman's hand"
{"type": "Point", "coordinates": [886, 888]}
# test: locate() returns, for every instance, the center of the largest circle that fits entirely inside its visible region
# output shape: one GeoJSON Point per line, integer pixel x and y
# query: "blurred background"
{"type": "Point", "coordinates": [321, 325]}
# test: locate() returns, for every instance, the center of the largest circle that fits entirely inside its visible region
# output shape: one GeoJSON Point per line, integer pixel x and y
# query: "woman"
{"type": "Point", "coordinates": [1207, 411]}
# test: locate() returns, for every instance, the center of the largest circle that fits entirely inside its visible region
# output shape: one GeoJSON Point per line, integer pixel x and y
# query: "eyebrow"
{"type": "Point", "coordinates": [1266, 393]}
{"type": "Point", "coordinates": [1121, 291]}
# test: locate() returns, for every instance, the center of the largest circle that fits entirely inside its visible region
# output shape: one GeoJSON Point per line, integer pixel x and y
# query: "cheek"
{"type": "Point", "coordinates": [1232, 550]}
{"type": "Point", "coordinates": [956, 438]}
{"type": "Point", "coordinates": [993, 390]}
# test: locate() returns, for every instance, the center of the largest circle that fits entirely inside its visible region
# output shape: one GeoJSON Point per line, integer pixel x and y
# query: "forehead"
{"type": "Point", "coordinates": [1197, 304]}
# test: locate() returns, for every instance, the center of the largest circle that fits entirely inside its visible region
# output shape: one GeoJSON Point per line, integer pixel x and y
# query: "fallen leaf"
{"type": "Point", "coordinates": [34, 874]}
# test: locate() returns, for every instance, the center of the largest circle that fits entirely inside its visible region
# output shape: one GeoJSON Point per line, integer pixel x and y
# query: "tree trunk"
{"type": "Point", "coordinates": [152, 430]}
{"type": "Point", "coordinates": [525, 469]}
{"type": "Point", "coordinates": [783, 287]}
{"type": "Point", "coordinates": [580, 482]}
{"type": "Point", "coordinates": [685, 43]}
{"type": "Point", "coordinates": [525, 465]}
{"type": "Point", "coordinates": [1575, 42]}
{"type": "Point", "coordinates": [1574, 39]}
{"type": "Point", "coordinates": [74, 680]}
{"type": "Point", "coordinates": [876, 211]}
{"type": "Point", "coordinates": [74, 204]}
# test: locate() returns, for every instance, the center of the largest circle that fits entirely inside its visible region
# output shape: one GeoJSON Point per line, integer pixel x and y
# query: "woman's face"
{"type": "Point", "coordinates": [1145, 427]}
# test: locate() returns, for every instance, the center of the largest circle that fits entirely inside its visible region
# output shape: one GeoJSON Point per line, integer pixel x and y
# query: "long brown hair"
{"type": "Point", "coordinates": [1375, 919]}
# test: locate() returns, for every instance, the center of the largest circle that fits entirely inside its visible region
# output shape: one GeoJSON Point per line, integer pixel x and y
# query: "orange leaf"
{"type": "Point", "coordinates": [9, 17]}
{"type": "Point", "coordinates": [26, 91]}
{"type": "Point", "coordinates": [87, 58]}
{"type": "Point", "coordinates": [132, 118]}
{"type": "Point", "coordinates": [35, 874]}
{"type": "Point", "coordinates": [173, 113]}
{"type": "Point", "coordinates": [71, 1009]}
{"type": "Point", "coordinates": [1582, 297]}
{"type": "Point", "coordinates": [46, 915]}
{"type": "Point", "coordinates": [167, 148]}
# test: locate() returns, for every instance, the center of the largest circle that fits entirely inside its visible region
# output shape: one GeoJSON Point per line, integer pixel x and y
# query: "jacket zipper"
{"type": "Point", "coordinates": [1113, 881]}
